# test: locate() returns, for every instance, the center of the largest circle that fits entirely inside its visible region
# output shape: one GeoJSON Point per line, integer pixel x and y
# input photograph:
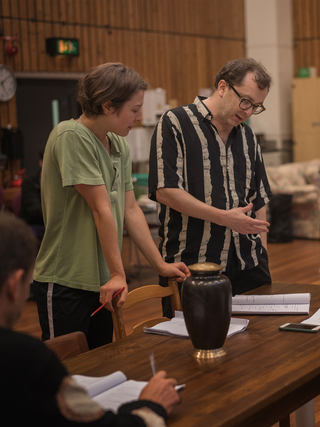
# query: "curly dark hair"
{"type": "Point", "coordinates": [236, 70]}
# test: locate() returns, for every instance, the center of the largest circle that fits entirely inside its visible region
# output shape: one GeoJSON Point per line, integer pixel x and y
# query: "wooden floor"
{"type": "Point", "coordinates": [295, 262]}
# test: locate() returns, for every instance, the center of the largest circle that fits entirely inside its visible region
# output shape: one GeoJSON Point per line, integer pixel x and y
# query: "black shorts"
{"type": "Point", "coordinates": [63, 310]}
{"type": "Point", "coordinates": [245, 280]}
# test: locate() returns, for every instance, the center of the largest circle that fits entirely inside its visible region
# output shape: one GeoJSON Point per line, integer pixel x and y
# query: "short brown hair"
{"type": "Point", "coordinates": [236, 70]}
{"type": "Point", "coordinates": [110, 82]}
{"type": "Point", "coordinates": [17, 246]}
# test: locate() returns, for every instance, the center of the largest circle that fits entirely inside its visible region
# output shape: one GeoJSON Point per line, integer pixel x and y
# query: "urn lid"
{"type": "Point", "coordinates": [205, 268]}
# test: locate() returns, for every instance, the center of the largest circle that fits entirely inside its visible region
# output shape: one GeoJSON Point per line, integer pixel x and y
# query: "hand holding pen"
{"type": "Point", "coordinates": [154, 370]}
{"type": "Point", "coordinates": [102, 305]}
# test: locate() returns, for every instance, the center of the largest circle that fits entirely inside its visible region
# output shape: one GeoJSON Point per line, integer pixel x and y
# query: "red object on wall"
{"type": "Point", "coordinates": [11, 50]}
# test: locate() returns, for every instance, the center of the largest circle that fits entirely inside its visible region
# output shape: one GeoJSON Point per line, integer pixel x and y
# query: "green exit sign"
{"type": "Point", "coordinates": [65, 47]}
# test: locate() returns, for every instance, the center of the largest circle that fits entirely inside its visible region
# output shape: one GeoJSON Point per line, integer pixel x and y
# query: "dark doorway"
{"type": "Point", "coordinates": [34, 110]}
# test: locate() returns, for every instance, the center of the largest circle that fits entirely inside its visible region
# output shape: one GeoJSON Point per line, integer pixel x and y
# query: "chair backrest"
{"type": "Point", "coordinates": [142, 294]}
{"type": "Point", "coordinates": [16, 204]}
{"type": "Point", "coordinates": [68, 345]}
{"type": "Point", "coordinates": [1, 198]}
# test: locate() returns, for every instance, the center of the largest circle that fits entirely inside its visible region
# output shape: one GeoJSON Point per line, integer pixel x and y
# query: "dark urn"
{"type": "Point", "coordinates": [206, 298]}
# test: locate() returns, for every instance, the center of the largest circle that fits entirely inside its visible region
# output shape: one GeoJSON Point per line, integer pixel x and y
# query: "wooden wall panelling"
{"type": "Point", "coordinates": [177, 75]}
{"type": "Point", "coordinates": [237, 12]}
{"type": "Point", "coordinates": [41, 36]}
{"type": "Point", "coordinates": [152, 15]}
{"type": "Point", "coordinates": [140, 12]}
{"type": "Point", "coordinates": [306, 32]}
{"type": "Point", "coordinates": [78, 63]}
{"type": "Point", "coordinates": [203, 80]}
{"type": "Point", "coordinates": [32, 37]}
{"type": "Point", "coordinates": [92, 33]}
{"type": "Point", "coordinates": [15, 32]}
{"type": "Point", "coordinates": [154, 61]}
{"type": "Point", "coordinates": [142, 41]}
{"type": "Point", "coordinates": [315, 43]}
{"type": "Point", "coordinates": [173, 44]}
{"type": "Point", "coordinates": [112, 12]}
{"type": "Point", "coordinates": [55, 28]}
{"type": "Point", "coordinates": [65, 31]}
{"type": "Point", "coordinates": [85, 36]}
{"type": "Point", "coordinates": [100, 32]}
{"type": "Point", "coordinates": [111, 44]}
{"type": "Point", "coordinates": [71, 32]}
{"type": "Point", "coordinates": [24, 35]}
{"type": "Point", "coordinates": [317, 35]}
{"type": "Point", "coordinates": [296, 34]}
{"type": "Point", "coordinates": [7, 31]}
{"type": "Point", "coordinates": [46, 61]}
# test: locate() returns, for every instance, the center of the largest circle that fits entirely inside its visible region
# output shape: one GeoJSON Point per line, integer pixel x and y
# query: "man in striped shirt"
{"type": "Point", "coordinates": [207, 173]}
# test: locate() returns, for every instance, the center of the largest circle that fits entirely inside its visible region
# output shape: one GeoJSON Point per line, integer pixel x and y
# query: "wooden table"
{"type": "Point", "coordinates": [266, 374]}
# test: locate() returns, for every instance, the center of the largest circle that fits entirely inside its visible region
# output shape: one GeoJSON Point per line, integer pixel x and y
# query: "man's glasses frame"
{"type": "Point", "coordinates": [245, 103]}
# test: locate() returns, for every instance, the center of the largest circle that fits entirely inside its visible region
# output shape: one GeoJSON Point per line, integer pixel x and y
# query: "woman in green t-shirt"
{"type": "Point", "coordinates": [87, 196]}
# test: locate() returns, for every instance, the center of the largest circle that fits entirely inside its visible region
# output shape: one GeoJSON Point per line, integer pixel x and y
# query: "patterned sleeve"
{"type": "Point", "coordinates": [166, 157]}
{"type": "Point", "coordinates": [263, 189]}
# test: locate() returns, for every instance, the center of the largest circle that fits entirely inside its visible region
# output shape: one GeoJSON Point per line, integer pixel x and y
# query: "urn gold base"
{"type": "Point", "coordinates": [208, 354]}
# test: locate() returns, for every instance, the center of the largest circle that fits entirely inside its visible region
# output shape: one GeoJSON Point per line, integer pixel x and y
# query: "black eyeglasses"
{"type": "Point", "coordinates": [245, 104]}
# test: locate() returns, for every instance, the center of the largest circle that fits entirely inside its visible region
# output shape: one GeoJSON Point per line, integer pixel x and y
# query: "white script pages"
{"type": "Point", "coordinates": [313, 320]}
{"type": "Point", "coordinates": [271, 304]}
{"type": "Point", "coordinates": [176, 327]}
{"type": "Point", "coordinates": [111, 391]}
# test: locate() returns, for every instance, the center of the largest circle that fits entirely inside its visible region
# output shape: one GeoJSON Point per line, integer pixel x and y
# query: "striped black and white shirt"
{"type": "Point", "coordinates": [187, 153]}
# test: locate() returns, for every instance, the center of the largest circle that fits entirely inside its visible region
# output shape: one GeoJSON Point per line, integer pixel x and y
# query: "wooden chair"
{"type": "Point", "coordinates": [142, 294]}
{"type": "Point", "coordinates": [2, 197]}
{"type": "Point", "coordinates": [68, 345]}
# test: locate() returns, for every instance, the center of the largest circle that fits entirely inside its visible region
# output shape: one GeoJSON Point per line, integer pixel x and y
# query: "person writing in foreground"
{"type": "Point", "coordinates": [87, 194]}
{"type": "Point", "coordinates": [207, 173]}
{"type": "Point", "coordinates": [36, 389]}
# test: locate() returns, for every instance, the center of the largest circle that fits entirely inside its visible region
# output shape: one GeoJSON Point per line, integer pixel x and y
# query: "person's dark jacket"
{"type": "Point", "coordinates": [30, 210]}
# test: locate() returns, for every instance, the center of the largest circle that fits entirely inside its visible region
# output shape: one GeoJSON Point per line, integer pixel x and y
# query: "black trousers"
{"type": "Point", "coordinates": [241, 280]}
{"type": "Point", "coordinates": [63, 310]}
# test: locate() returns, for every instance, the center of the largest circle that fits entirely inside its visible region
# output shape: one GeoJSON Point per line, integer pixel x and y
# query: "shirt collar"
{"type": "Point", "coordinates": [203, 111]}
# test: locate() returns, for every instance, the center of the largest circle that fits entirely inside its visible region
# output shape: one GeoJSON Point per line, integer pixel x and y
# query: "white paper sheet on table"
{"type": "Point", "coordinates": [111, 391]}
{"type": "Point", "coordinates": [271, 304]}
{"type": "Point", "coordinates": [176, 327]}
{"type": "Point", "coordinates": [313, 320]}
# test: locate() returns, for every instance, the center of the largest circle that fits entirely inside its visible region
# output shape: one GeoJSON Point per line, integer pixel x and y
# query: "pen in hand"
{"type": "Point", "coordinates": [154, 370]}
{"type": "Point", "coordinates": [102, 305]}
{"type": "Point", "coordinates": [153, 363]}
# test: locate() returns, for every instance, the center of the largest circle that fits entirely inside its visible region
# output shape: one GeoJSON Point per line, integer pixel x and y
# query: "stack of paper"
{"type": "Point", "coordinates": [112, 390]}
{"type": "Point", "coordinates": [271, 304]}
{"type": "Point", "coordinates": [176, 327]}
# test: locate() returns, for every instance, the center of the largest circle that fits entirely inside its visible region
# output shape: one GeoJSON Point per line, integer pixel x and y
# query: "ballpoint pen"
{"type": "Point", "coordinates": [102, 305]}
{"type": "Point", "coordinates": [152, 363]}
{"type": "Point", "coordinates": [154, 370]}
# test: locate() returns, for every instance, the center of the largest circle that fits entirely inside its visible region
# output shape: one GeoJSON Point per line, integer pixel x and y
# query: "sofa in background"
{"type": "Point", "coordinates": [301, 180]}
